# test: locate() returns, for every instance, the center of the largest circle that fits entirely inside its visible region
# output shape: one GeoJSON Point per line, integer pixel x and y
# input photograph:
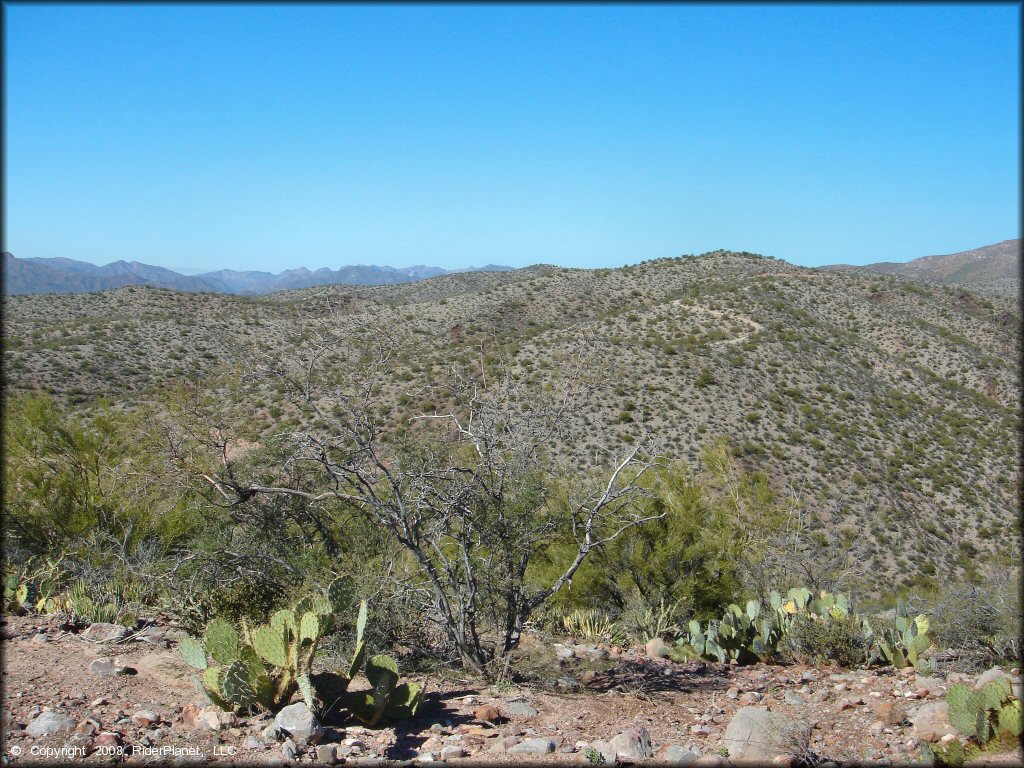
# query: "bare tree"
{"type": "Point", "coordinates": [465, 488]}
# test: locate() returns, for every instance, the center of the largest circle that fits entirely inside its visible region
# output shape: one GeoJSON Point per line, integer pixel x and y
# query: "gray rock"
{"type": "Point", "coordinates": [48, 723]}
{"type": "Point", "coordinates": [325, 754]}
{"type": "Point", "coordinates": [537, 746]}
{"type": "Point", "coordinates": [288, 750]}
{"type": "Point", "coordinates": [298, 722]}
{"type": "Point", "coordinates": [633, 743]}
{"type": "Point", "coordinates": [270, 733]}
{"type": "Point", "coordinates": [605, 749]}
{"type": "Point", "coordinates": [108, 667]}
{"type": "Point", "coordinates": [101, 632]}
{"type": "Point", "coordinates": [988, 676]}
{"type": "Point", "coordinates": [674, 755]}
{"type": "Point", "coordinates": [757, 735]}
{"type": "Point", "coordinates": [931, 721]}
{"type": "Point", "coordinates": [519, 709]}
{"type": "Point", "coordinates": [452, 750]}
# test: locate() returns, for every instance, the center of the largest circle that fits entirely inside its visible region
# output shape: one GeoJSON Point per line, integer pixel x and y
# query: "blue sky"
{"type": "Point", "coordinates": [269, 137]}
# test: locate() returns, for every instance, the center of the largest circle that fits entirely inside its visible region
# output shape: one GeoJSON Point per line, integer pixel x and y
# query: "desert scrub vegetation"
{"type": "Point", "coordinates": [806, 373]}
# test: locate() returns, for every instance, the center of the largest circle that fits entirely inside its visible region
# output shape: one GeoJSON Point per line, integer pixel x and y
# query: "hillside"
{"type": "Point", "coordinates": [891, 408]}
{"type": "Point", "coordinates": [991, 269]}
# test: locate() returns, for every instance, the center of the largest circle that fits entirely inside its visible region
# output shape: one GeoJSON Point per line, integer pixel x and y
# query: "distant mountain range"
{"type": "Point", "coordinates": [59, 275]}
{"type": "Point", "coordinates": [980, 266]}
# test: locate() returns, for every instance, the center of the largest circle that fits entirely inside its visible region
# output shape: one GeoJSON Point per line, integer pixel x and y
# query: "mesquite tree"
{"type": "Point", "coordinates": [465, 487]}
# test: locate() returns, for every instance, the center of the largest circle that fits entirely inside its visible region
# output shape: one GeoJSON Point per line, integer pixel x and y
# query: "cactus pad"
{"type": "Point", "coordinates": [192, 652]}
{"type": "Point", "coordinates": [270, 644]}
{"type": "Point", "coordinates": [221, 641]}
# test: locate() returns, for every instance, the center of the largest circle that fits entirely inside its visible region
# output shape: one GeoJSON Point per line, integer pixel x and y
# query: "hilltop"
{"type": "Point", "coordinates": [891, 408]}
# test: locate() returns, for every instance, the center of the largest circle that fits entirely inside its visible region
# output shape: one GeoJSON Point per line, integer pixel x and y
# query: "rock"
{"type": "Point", "coordinates": [270, 733]}
{"type": "Point", "coordinates": [889, 713]}
{"type": "Point", "coordinates": [108, 739]}
{"type": "Point", "coordinates": [251, 742]}
{"type": "Point", "coordinates": [288, 750]}
{"type": "Point", "coordinates": [606, 753]}
{"type": "Point", "coordinates": [48, 723]}
{"type": "Point", "coordinates": [519, 709]}
{"type": "Point", "coordinates": [215, 719]}
{"type": "Point", "coordinates": [298, 722]}
{"type": "Point", "coordinates": [711, 761]}
{"type": "Point", "coordinates": [757, 735]}
{"type": "Point", "coordinates": [672, 755]}
{"type": "Point", "coordinates": [656, 648]}
{"type": "Point", "coordinates": [488, 713]}
{"type": "Point", "coordinates": [325, 754]}
{"type": "Point", "coordinates": [452, 750]}
{"type": "Point", "coordinates": [633, 743]}
{"type": "Point", "coordinates": [535, 746]}
{"type": "Point", "coordinates": [988, 676]}
{"type": "Point", "coordinates": [505, 743]}
{"type": "Point", "coordinates": [145, 718]}
{"type": "Point", "coordinates": [101, 632]}
{"type": "Point", "coordinates": [109, 667]}
{"type": "Point", "coordinates": [931, 722]}
{"type": "Point", "coordinates": [564, 653]}
{"type": "Point", "coordinates": [79, 744]}
{"type": "Point", "coordinates": [88, 727]}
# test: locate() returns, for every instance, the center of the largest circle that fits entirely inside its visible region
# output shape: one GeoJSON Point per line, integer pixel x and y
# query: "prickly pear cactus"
{"type": "Point", "coordinates": [989, 717]}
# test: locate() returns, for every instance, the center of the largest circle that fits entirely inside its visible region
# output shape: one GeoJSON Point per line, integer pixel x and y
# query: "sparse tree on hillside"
{"type": "Point", "coordinates": [464, 487]}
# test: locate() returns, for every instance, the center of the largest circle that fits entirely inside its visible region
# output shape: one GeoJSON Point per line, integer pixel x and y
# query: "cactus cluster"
{"type": "Point", "coordinates": [901, 645]}
{"type": "Point", "coordinates": [746, 635]}
{"type": "Point", "coordinates": [754, 634]}
{"type": "Point", "coordinates": [35, 593]}
{"type": "Point", "coordinates": [261, 669]}
{"type": "Point", "coordinates": [989, 717]}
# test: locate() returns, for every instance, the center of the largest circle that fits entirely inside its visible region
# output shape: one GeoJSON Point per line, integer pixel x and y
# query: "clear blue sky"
{"type": "Point", "coordinates": [269, 137]}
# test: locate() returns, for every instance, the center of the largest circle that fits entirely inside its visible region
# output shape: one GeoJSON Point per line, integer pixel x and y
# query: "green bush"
{"type": "Point", "coordinates": [839, 639]}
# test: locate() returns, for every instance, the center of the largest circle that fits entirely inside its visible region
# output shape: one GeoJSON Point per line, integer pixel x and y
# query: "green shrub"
{"type": "Point", "coordinates": [838, 639]}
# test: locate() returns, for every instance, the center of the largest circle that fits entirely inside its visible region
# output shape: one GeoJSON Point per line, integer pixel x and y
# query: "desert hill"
{"type": "Point", "coordinates": [892, 408]}
{"type": "Point", "coordinates": [993, 268]}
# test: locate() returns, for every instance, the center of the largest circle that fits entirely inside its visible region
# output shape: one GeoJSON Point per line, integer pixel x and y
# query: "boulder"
{"type": "Point", "coordinates": [48, 723]}
{"type": "Point", "coordinates": [488, 713]}
{"type": "Point", "coordinates": [673, 755]}
{"type": "Point", "coordinates": [298, 722]}
{"type": "Point", "coordinates": [537, 746]}
{"type": "Point", "coordinates": [519, 709]}
{"type": "Point", "coordinates": [633, 743]}
{"type": "Point", "coordinates": [931, 722]}
{"type": "Point", "coordinates": [109, 667]}
{"type": "Point", "coordinates": [757, 735]}
{"type": "Point", "coordinates": [102, 632]}
{"type": "Point", "coordinates": [609, 755]}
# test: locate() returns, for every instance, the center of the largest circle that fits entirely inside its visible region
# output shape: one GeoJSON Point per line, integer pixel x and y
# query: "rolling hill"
{"type": "Point", "coordinates": [993, 268]}
{"type": "Point", "coordinates": [891, 408]}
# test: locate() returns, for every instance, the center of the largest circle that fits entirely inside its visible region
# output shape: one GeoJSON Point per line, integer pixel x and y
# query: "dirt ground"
{"type": "Point", "coordinates": [859, 716]}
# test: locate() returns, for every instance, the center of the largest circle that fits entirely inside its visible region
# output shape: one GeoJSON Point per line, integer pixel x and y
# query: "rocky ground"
{"type": "Point", "coordinates": [98, 696]}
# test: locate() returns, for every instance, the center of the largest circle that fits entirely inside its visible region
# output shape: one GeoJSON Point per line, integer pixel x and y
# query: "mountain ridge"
{"type": "Point", "coordinates": [995, 267]}
{"type": "Point", "coordinates": [62, 275]}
